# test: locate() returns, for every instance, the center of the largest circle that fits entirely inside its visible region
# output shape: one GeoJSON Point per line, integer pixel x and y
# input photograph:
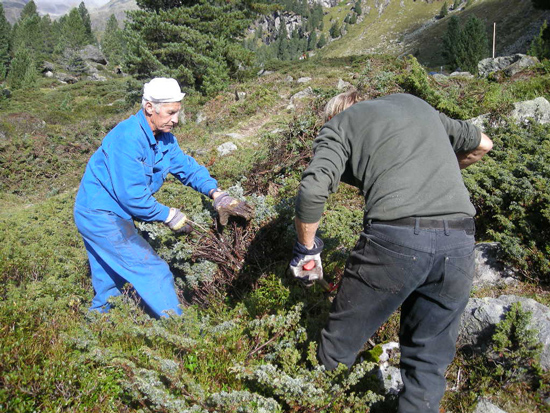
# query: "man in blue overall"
{"type": "Point", "coordinates": [118, 185]}
{"type": "Point", "coordinates": [417, 247]}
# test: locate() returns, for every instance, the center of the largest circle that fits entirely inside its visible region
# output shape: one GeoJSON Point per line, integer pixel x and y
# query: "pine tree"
{"type": "Point", "coordinates": [73, 31]}
{"type": "Point", "coordinates": [113, 43]}
{"type": "Point", "coordinates": [357, 8]}
{"type": "Point", "coordinates": [457, 4]}
{"type": "Point", "coordinates": [322, 41]}
{"type": "Point", "coordinates": [27, 33]}
{"type": "Point", "coordinates": [353, 19]}
{"type": "Point", "coordinates": [198, 43]}
{"type": "Point", "coordinates": [87, 22]}
{"type": "Point", "coordinates": [444, 10]}
{"type": "Point", "coordinates": [540, 45]}
{"type": "Point", "coordinates": [473, 45]}
{"type": "Point", "coordinates": [282, 41]}
{"type": "Point", "coordinates": [335, 30]}
{"type": "Point", "coordinates": [22, 73]}
{"type": "Point", "coordinates": [312, 41]}
{"type": "Point", "coordinates": [451, 42]}
{"type": "Point", "coordinates": [5, 32]}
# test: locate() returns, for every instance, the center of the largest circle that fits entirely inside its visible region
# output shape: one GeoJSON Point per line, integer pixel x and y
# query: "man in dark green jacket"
{"type": "Point", "coordinates": [417, 247]}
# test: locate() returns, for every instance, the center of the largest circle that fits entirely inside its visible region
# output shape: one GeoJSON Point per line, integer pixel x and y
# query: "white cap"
{"type": "Point", "coordinates": [162, 90]}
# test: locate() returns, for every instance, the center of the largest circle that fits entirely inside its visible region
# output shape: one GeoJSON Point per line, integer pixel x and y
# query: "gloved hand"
{"type": "Point", "coordinates": [228, 206]}
{"type": "Point", "coordinates": [177, 221]}
{"type": "Point", "coordinates": [306, 263]}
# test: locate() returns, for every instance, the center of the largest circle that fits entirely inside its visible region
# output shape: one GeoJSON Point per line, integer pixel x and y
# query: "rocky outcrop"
{"type": "Point", "coordinates": [509, 65]}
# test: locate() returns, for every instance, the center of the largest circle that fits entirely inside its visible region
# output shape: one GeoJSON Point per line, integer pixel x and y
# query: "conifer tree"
{"type": "Point", "coordinates": [5, 32]}
{"type": "Point", "coordinates": [312, 41]}
{"type": "Point", "coordinates": [451, 42]}
{"type": "Point", "coordinates": [73, 34]}
{"type": "Point", "coordinates": [113, 42]}
{"type": "Point", "coordinates": [457, 4]}
{"type": "Point", "coordinates": [322, 41]}
{"type": "Point", "coordinates": [87, 22]}
{"type": "Point", "coordinates": [357, 8]}
{"type": "Point", "coordinates": [335, 30]}
{"type": "Point", "coordinates": [353, 19]}
{"type": "Point", "coordinates": [197, 42]}
{"type": "Point", "coordinates": [282, 41]}
{"type": "Point", "coordinates": [540, 45]}
{"type": "Point", "coordinates": [26, 32]}
{"type": "Point", "coordinates": [473, 45]}
{"type": "Point", "coordinates": [22, 73]}
{"type": "Point", "coordinates": [444, 10]}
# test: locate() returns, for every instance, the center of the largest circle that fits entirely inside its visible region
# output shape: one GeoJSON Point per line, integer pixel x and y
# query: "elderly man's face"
{"type": "Point", "coordinates": [165, 119]}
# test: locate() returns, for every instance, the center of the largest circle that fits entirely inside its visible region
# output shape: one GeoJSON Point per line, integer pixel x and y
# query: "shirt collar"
{"type": "Point", "coordinates": [146, 128]}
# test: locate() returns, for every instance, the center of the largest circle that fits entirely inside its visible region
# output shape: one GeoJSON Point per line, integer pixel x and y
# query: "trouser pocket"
{"type": "Point", "coordinates": [458, 277]}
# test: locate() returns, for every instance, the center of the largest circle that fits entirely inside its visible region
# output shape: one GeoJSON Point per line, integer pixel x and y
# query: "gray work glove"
{"type": "Point", "coordinates": [177, 221]}
{"type": "Point", "coordinates": [306, 263]}
{"type": "Point", "coordinates": [228, 206]}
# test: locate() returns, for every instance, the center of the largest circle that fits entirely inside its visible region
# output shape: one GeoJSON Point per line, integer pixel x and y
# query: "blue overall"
{"type": "Point", "coordinates": [118, 185]}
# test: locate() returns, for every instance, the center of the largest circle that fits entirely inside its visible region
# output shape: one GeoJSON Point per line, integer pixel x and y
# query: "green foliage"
{"type": "Point", "coordinates": [357, 8]}
{"type": "Point", "coordinates": [113, 42]}
{"type": "Point", "coordinates": [516, 349]}
{"type": "Point", "coordinates": [198, 44]}
{"type": "Point", "coordinates": [335, 30]}
{"type": "Point", "coordinates": [23, 73]}
{"type": "Point", "coordinates": [5, 34]}
{"type": "Point", "coordinates": [444, 10]}
{"type": "Point", "coordinates": [540, 45]}
{"type": "Point", "coordinates": [73, 33]}
{"type": "Point", "coordinates": [465, 47]}
{"type": "Point", "coordinates": [451, 42]}
{"type": "Point", "coordinates": [457, 4]}
{"type": "Point", "coordinates": [511, 191]}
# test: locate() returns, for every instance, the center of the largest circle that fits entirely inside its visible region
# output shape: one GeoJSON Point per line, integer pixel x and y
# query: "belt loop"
{"type": "Point", "coordinates": [446, 226]}
{"type": "Point", "coordinates": [416, 226]}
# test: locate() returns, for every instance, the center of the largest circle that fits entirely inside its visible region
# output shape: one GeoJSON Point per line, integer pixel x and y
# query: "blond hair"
{"type": "Point", "coordinates": [341, 102]}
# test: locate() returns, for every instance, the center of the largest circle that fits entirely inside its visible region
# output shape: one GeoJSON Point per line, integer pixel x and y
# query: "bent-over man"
{"type": "Point", "coordinates": [417, 247]}
{"type": "Point", "coordinates": [118, 185]}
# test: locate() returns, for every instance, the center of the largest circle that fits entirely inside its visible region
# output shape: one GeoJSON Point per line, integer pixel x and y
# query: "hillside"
{"type": "Point", "coordinates": [413, 27]}
{"type": "Point", "coordinates": [249, 331]}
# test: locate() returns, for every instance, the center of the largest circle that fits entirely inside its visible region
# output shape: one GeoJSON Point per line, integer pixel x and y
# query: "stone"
{"type": "Point", "coordinates": [308, 92]}
{"type": "Point", "coordinates": [538, 109]}
{"type": "Point", "coordinates": [304, 80]}
{"type": "Point", "coordinates": [343, 85]}
{"type": "Point", "coordinates": [481, 315]}
{"type": "Point", "coordinates": [509, 64]}
{"type": "Point", "coordinates": [485, 406]}
{"type": "Point", "coordinates": [489, 271]}
{"type": "Point", "coordinates": [226, 148]}
{"type": "Point", "coordinates": [91, 52]}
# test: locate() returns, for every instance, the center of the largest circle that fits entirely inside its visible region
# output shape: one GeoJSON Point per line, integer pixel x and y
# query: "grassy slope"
{"type": "Point", "coordinates": [53, 357]}
{"type": "Point", "coordinates": [411, 27]}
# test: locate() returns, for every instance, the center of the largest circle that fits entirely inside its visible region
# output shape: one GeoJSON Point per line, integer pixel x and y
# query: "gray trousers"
{"type": "Point", "coordinates": [428, 272]}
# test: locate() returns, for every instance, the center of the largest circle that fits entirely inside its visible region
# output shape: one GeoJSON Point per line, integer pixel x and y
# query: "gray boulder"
{"type": "Point", "coordinates": [304, 80]}
{"type": "Point", "coordinates": [537, 109]}
{"type": "Point", "coordinates": [65, 78]}
{"type": "Point", "coordinates": [343, 85]}
{"type": "Point", "coordinates": [482, 314]}
{"type": "Point", "coordinates": [485, 406]}
{"type": "Point", "coordinates": [226, 148]}
{"type": "Point", "coordinates": [489, 271]}
{"type": "Point", "coordinates": [92, 53]}
{"type": "Point", "coordinates": [509, 64]}
{"type": "Point", "coordinates": [388, 374]}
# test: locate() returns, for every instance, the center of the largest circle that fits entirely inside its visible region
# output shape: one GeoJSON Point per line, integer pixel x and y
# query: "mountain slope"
{"type": "Point", "coordinates": [412, 27]}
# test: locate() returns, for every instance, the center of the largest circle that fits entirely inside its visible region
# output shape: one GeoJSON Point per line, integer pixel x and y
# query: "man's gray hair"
{"type": "Point", "coordinates": [156, 105]}
{"type": "Point", "coordinates": [341, 102]}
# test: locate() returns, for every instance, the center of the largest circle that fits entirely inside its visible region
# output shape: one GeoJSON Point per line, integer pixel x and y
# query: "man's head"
{"type": "Point", "coordinates": [161, 103]}
{"type": "Point", "coordinates": [341, 102]}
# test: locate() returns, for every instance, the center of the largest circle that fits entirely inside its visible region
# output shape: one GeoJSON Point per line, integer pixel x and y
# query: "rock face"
{"type": "Point", "coordinates": [509, 64]}
{"type": "Point", "coordinates": [488, 270]}
{"type": "Point", "coordinates": [485, 406]}
{"type": "Point", "coordinates": [482, 314]}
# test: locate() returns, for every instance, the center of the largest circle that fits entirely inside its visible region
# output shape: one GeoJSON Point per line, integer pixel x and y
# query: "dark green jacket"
{"type": "Point", "coordinates": [400, 151]}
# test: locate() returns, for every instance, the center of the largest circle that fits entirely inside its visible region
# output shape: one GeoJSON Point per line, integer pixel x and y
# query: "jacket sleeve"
{"type": "Point", "coordinates": [125, 159]}
{"type": "Point", "coordinates": [186, 169]}
{"type": "Point", "coordinates": [322, 176]}
{"type": "Point", "coordinates": [464, 136]}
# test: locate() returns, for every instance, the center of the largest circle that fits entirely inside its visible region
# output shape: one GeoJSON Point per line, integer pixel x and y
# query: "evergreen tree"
{"type": "Point", "coordinates": [457, 4]}
{"type": "Point", "coordinates": [540, 45]}
{"type": "Point", "coordinates": [27, 33]}
{"type": "Point", "coordinates": [282, 41]}
{"type": "Point", "coordinates": [113, 42]}
{"type": "Point", "coordinates": [473, 45]}
{"type": "Point", "coordinates": [73, 32]}
{"type": "Point", "coordinates": [87, 22]}
{"type": "Point", "coordinates": [312, 41]}
{"type": "Point", "coordinates": [198, 43]}
{"type": "Point", "coordinates": [322, 41]}
{"type": "Point", "coordinates": [357, 8]}
{"type": "Point", "coordinates": [335, 30]}
{"type": "Point", "coordinates": [444, 10]}
{"type": "Point", "coordinates": [22, 73]}
{"type": "Point", "coordinates": [353, 19]}
{"type": "Point", "coordinates": [29, 10]}
{"type": "Point", "coordinates": [451, 42]}
{"type": "Point", "coordinates": [5, 32]}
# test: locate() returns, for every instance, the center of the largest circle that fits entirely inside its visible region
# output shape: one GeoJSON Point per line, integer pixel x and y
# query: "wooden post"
{"type": "Point", "coordinates": [494, 37]}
